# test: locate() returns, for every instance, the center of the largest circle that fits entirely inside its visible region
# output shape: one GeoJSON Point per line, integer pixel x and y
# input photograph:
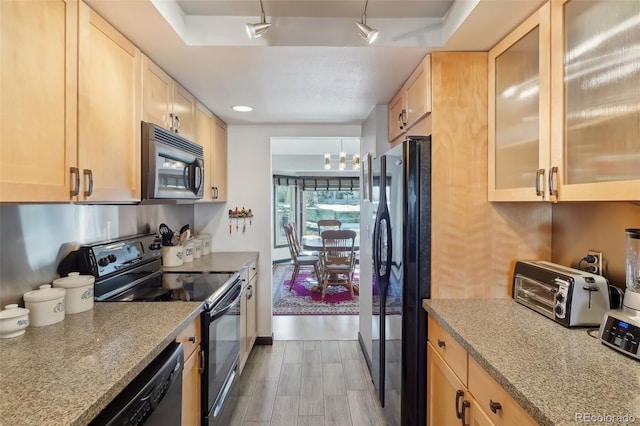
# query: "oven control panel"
{"type": "Point", "coordinates": [621, 334]}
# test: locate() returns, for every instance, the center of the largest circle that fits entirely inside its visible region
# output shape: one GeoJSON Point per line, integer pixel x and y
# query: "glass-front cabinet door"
{"type": "Point", "coordinates": [519, 85]}
{"type": "Point", "coordinates": [595, 99]}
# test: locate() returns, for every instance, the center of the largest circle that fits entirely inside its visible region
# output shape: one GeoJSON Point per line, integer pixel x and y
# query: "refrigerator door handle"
{"type": "Point", "coordinates": [382, 268]}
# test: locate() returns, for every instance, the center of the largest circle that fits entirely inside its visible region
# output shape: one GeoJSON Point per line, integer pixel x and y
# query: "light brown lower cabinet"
{"type": "Point", "coordinates": [460, 392]}
{"type": "Point", "coordinates": [190, 339]}
{"type": "Point", "coordinates": [449, 402]}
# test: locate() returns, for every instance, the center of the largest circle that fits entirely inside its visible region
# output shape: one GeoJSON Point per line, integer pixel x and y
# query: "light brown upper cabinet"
{"type": "Point", "coordinates": [165, 102]}
{"type": "Point", "coordinates": [571, 131]}
{"type": "Point", "coordinates": [211, 133]}
{"type": "Point", "coordinates": [595, 99]}
{"type": "Point", "coordinates": [519, 90]}
{"type": "Point", "coordinates": [109, 101]}
{"type": "Point", "coordinates": [38, 83]}
{"type": "Point", "coordinates": [219, 160]}
{"type": "Point", "coordinates": [412, 102]}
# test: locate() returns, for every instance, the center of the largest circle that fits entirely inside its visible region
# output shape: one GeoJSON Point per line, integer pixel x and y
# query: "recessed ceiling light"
{"type": "Point", "coordinates": [242, 108]}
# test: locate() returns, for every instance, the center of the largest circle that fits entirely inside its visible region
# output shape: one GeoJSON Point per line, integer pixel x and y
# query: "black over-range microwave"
{"type": "Point", "coordinates": [172, 166]}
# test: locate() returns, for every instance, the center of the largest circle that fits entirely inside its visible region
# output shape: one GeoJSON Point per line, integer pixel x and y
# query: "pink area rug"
{"type": "Point", "coordinates": [304, 297]}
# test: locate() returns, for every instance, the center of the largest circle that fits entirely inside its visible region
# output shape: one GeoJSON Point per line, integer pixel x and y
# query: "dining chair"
{"type": "Point", "coordinates": [300, 261]}
{"type": "Point", "coordinates": [299, 249]}
{"type": "Point", "coordinates": [338, 259]}
{"type": "Point", "coordinates": [328, 224]}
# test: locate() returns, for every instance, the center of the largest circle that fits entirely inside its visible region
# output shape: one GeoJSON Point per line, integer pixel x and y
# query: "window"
{"type": "Point", "coordinates": [305, 200]}
{"type": "Point", "coordinates": [285, 207]}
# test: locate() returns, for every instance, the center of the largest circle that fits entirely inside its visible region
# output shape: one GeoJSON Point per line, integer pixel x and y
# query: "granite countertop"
{"type": "Point", "coordinates": [215, 262]}
{"type": "Point", "coordinates": [66, 373]}
{"type": "Point", "coordinates": [553, 372]}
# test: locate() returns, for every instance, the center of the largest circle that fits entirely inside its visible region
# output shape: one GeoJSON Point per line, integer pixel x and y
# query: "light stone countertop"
{"type": "Point", "coordinates": [553, 372]}
{"type": "Point", "coordinates": [215, 262]}
{"type": "Point", "coordinates": [66, 373]}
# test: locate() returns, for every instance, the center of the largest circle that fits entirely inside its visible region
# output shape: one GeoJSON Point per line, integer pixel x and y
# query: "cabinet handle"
{"type": "Point", "coordinates": [214, 195]}
{"type": "Point", "coordinates": [465, 404]}
{"type": "Point", "coordinates": [459, 394]}
{"type": "Point", "coordinates": [177, 126]}
{"type": "Point", "coordinates": [539, 175]}
{"type": "Point", "coordinates": [89, 173]}
{"type": "Point", "coordinates": [494, 406]}
{"type": "Point", "coordinates": [171, 122]}
{"type": "Point", "coordinates": [76, 188]}
{"type": "Point", "coordinates": [249, 292]}
{"type": "Point", "coordinates": [404, 117]}
{"type": "Point", "coordinates": [400, 126]}
{"type": "Point", "coordinates": [553, 191]}
{"type": "Point", "coordinates": [201, 369]}
{"type": "Point", "coordinates": [441, 343]}
{"type": "Point", "coordinates": [193, 339]}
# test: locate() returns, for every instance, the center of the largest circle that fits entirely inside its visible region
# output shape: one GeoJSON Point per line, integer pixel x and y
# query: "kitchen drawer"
{"type": "Point", "coordinates": [249, 271]}
{"type": "Point", "coordinates": [190, 337]}
{"type": "Point", "coordinates": [450, 350]}
{"type": "Point", "coordinates": [488, 393]}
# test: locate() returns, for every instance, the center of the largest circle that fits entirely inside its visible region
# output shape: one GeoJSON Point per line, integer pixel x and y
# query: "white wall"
{"type": "Point", "coordinates": [374, 133]}
{"type": "Point", "coordinates": [250, 186]}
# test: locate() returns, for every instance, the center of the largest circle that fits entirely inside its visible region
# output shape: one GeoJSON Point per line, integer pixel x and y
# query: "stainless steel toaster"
{"type": "Point", "coordinates": [568, 296]}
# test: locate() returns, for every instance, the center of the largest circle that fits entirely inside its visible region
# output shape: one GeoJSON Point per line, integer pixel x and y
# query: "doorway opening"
{"type": "Point", "coordinates": [304, 192]}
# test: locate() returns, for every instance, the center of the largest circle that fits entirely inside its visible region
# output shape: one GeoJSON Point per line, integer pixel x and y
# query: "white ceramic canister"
{"type": "Point", "coordinates": [46, 305]}
{"type": "Point", "coordinates": [172, 255]}
{"type": "Point", "coordinates": [206, 243]}
{"type": "Point", "coordinates": [13, 321]}
{"type": "Point", "coordinates": [197, 248]}
{"type": "Point", "coordinates": [188, 251]}
{"type": "Point", "coordinates": [79, 295]}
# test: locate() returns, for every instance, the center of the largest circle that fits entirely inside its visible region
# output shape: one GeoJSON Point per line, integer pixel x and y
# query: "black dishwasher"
{"type": "Point", "coordinates": [154, 397]}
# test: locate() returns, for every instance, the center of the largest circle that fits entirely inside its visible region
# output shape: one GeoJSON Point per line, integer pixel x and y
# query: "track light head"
{"type": "Point", "coordinates": [369, 34]}
{"type": "Point", "coordinates": [366, 32]}
{"type": "Point", "coordinates": [257, 30]}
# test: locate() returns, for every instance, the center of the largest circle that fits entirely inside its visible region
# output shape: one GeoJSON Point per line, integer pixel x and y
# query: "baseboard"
{"type": "Point", "coordinates": [364, 352]}
{"type": "Point", "coordinates": [264, 340]}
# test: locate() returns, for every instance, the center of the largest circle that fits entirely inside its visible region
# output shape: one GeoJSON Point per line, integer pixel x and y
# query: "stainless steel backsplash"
{"type": "Point", "coordinates": [35, 237]}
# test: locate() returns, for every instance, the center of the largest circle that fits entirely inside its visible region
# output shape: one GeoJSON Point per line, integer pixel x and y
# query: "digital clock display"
{"type": "Point", "coordinates": [622, 324]}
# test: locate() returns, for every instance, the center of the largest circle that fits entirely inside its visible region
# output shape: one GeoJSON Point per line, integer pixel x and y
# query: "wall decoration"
{"type": "Point", "coordinates": [243, 214]}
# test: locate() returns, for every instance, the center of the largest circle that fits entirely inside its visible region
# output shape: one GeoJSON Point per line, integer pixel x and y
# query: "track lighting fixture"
{"type": "Point", "coordinates": [258, 30]}
{"type": "Point", "coordinates": [366, 32]}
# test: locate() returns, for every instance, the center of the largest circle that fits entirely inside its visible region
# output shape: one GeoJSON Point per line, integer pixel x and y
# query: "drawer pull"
{"type": "Point", "coordinates": [459, 394]}
{"type": "Point", "coordinates": [193, 339]}
{"type": "Point", "coordinates": [441, 343]}
{"type": "Point", "coordinates": [494, 406]}
{"type": "Point", "coordinates": [465, 404]}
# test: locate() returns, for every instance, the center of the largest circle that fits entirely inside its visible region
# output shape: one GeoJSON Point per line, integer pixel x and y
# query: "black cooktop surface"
{"type": "Point", "coordinates": [177, 287]}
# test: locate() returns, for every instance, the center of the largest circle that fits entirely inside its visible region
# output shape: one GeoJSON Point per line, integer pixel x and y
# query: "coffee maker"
{"type": "Point", "coordinates": [620, 328]}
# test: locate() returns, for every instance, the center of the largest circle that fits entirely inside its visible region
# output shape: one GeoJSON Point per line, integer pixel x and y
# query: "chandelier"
{"type": "Point", "coordinates": [342, 160]}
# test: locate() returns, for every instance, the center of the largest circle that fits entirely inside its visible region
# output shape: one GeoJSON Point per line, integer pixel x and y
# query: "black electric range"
{"type": "Point", "coordinates": [130, 270]}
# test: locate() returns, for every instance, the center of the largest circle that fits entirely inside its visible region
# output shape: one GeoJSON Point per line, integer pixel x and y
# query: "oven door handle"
{"type": "Point", "coordinates": [218, 313]}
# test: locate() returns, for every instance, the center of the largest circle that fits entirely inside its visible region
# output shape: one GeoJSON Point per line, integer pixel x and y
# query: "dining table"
{"type": "Point", "coordinates": [314, 242]}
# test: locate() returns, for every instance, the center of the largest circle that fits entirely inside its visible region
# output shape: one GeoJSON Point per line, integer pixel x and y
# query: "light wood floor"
{"type": "Point", "coordinates": [315, 327]}
{"type": "Point", "coordinates": [306, 382]}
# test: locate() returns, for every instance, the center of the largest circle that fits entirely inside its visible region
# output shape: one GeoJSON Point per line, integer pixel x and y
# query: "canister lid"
{"type": "Point", "coordinates": [12, 311]}
{"type": "Point", "coordinates": [74, 280]}
{"type": "Point", "coordinates": [45, 293]}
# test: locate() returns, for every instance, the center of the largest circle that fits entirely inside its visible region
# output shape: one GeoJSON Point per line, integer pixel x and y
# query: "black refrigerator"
{"type": "Point", "coordinates": [401, 279]}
